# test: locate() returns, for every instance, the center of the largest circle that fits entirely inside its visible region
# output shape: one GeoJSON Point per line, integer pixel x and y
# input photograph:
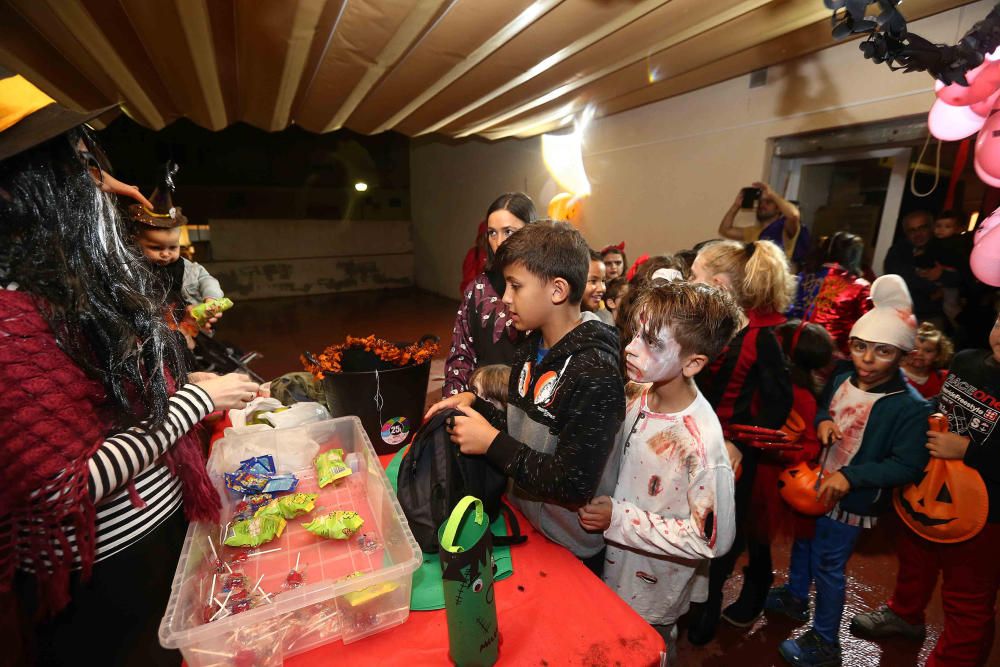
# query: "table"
{"type": "Point", "coordinates": [551, 611]}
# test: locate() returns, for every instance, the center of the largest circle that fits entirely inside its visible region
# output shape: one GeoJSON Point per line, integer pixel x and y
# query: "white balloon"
{"type": "Point", "coordinates": [949, 123]}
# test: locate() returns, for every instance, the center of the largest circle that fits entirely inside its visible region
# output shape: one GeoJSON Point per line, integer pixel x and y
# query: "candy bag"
{"type": "Point", "coordinates": [330, 467]}
{"type": "Point", "coordinates": [203, 312]}
{"type": "Point", "coordinates": [281, 483]}
{"type": "Point", "coordinates": [337, 525]}
{"type": "Point", "coordinates": [256, 531]}
{"type": "Point", "coordinates": [368, 593]}
{"type": "Point", "coordinates": [289, 507]}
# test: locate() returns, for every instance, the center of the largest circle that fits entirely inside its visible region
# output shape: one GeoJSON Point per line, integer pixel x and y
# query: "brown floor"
{"type": "Point", "coordinates": [282, 328]}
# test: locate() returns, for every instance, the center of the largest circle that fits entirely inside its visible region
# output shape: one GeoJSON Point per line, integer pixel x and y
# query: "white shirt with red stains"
{"type": "Point", "coordinates": [673, 506]}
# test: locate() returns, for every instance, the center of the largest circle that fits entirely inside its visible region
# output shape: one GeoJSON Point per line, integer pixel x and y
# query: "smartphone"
{"type": "Point", "coordinates": [750, 197]}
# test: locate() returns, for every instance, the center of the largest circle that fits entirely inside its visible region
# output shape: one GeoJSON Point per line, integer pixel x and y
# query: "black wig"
{"type": "Point", "coordinates": [62, 240]}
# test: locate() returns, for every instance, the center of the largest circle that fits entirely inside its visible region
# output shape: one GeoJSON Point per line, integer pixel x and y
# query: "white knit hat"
{"type": "Point", "coordinates": [891, 319]}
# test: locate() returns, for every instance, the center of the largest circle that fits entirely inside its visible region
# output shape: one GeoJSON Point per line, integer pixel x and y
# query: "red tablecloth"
{"type": "Point", "coordinates": [552, 611]}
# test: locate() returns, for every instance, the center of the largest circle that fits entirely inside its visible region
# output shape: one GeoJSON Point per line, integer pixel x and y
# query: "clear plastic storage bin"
{"type": "Point", "coordinates": [351, 588]}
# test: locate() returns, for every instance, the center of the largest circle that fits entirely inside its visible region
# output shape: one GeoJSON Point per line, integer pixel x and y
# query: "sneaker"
{"type": "Point", "coordinates": [810, 650]}
{"type": "Point", "coordinates": [781, 600]}
{"type": "Point", "coordinates": [883, 623]}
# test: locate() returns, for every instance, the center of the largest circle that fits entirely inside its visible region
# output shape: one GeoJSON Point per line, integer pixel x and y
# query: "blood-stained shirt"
{"type": "Point", "coordinates": [673, 506]}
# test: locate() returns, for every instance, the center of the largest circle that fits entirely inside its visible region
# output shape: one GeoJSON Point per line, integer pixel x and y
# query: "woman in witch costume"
{"type": "Point", "coordinates": [96, 454]}
{"type": "Point", "coordinates": [484, 333]}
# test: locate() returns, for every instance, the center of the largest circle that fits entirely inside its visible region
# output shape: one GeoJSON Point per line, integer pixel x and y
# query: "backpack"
{"type": "Point", "coordinates": [434, 475]}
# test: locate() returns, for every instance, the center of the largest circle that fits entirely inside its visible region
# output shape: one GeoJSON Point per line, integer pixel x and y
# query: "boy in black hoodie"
{"type": "Point", "coordinates": [566, 398]}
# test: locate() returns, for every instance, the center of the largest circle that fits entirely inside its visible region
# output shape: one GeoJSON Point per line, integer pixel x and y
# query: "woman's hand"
{"type": "Point", "coordinates": [947, 445]}
{"type": "Point", "coordinates": [230, 391]}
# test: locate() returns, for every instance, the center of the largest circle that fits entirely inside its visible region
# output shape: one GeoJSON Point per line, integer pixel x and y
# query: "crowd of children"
{"type": "Point", "coordinates": [652, 412]}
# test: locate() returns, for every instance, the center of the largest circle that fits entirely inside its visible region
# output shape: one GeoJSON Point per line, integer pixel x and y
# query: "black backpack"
{"type": "Point", "coordinates": [434, 475]}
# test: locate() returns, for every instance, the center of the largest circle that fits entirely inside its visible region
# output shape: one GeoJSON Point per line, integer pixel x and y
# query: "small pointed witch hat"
{"type": "Point", "coordinates": [164, 215]}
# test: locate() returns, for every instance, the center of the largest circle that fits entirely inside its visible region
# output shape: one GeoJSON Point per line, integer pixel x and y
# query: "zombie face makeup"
{"type": "Point", "coordinates": [653, 358]}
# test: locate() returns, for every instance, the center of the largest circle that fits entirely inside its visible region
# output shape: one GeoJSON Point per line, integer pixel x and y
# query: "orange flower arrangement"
{"type": "Point", "coordinates": [329, 361]}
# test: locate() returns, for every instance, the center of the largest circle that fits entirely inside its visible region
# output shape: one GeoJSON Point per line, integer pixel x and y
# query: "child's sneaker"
{"type": "Point", "coordinates": [883, 623]}
{"type": "Point", "coordinates": [781, 600]}
{"type": "Point", "coordinates": [810, 650]}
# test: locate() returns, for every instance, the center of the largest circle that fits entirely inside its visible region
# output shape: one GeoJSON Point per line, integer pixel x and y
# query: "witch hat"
{"type": "Point", "coordinates": [164, 214]}
{"type": "Point", "coordinates": [29, 117]}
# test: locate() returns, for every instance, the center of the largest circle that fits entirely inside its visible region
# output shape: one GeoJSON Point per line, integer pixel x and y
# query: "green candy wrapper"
{"type": "Point", "coordinates": [256, 531]}
{"type": "Point", "coordinates": [289, 507]}
{"type": "Point", "coordinates": [337, 525]}
{"type": "Point", "coordinates": [330, 467]}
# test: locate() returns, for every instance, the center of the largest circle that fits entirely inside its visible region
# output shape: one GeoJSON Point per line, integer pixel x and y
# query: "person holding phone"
{"type": "Point", "coordinates": [778, 221]}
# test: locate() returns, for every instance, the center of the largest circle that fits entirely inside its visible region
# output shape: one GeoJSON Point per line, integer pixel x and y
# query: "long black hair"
{"type": "Point", "coordinates": [845, 249]}
{"type": "Point", "coordinates": [808, 347]}
{"type": "Point", "coordinates": [517, 204]}
{"type": "Point", "coordinates": [62, 240]}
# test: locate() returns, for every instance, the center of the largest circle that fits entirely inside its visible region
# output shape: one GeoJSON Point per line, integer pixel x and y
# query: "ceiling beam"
{"type": "Point", "coordinates": [504, 35]}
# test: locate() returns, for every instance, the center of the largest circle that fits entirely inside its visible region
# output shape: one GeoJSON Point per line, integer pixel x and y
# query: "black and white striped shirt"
{"type": "Point", "coordinates": [134, 455]}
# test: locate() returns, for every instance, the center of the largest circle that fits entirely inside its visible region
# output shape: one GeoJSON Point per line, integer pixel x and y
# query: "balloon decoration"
{"type": "Point", "coordinates": [797, 486]}
{"type": "Point", "coordinates": [950, 504]}
{"type": "Point", "coordinates": [564, 206]}
{"type": "Point", "coordinates": [985, 257]}
{"type": "Point", "coordinates": [557, 206]}
{"type": "Point", "coordinates": [967, 90]}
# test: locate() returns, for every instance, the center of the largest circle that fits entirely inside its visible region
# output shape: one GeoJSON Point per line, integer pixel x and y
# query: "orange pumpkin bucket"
{"type": "Point", "coordinates": [950, 504]}
{"type": "Point", "coordinates": [797, 486]}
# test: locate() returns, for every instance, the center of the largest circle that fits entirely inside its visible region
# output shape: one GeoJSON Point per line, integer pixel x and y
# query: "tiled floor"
{"type": "Point", "coordinates": [282, 328]}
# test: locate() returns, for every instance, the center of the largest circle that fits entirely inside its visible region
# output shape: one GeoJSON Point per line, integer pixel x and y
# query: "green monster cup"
{"type": "Point", "coordinates": [466, 548]}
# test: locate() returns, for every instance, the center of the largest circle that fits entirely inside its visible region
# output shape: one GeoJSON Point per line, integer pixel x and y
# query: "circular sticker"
{"type": "Point", "coordinates": [396, 430]}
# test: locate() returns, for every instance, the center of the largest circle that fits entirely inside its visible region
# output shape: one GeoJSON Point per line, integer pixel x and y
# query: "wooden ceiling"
{"type": "Point", "coordinates": [492, 68]}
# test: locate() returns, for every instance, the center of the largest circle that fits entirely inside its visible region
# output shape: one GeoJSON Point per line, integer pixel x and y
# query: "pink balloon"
{"type": "Point", "coordinates": [985, 257]}
{"type": "Point", "coordinates": [950, 123]}
{"type": "Point", "coordinates": [988, 149]}
{"type": "Point", "coordinates": [984, 177]}
{"type": "Point", "coordinates": [983, 81]}
{"type": "Point", "coordinates": [983, 108]}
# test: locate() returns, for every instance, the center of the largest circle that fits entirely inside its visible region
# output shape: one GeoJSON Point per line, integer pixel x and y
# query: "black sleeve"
{"type": "Point", "coordinates": [775, 388]}
{"type": "Point", "coordinates": [570, 475]}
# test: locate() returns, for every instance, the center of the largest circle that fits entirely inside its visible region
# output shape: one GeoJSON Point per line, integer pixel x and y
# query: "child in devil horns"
{"type": "Point", "coordinates": [872, 424]}
{"type": "Point", "coordinates": [672, 508]}
{"type": "Point", "coordinates": [970, 569]}
{"type": "Point", "coordinates": [748, 384]}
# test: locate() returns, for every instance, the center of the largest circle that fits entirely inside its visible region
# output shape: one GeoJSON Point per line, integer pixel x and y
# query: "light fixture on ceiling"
{"type": "Point", "coordinates": [361, 186]}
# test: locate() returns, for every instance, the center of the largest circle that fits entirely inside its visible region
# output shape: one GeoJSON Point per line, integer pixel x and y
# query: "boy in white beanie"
{"type": "Point", "coordinates": [873, 424]}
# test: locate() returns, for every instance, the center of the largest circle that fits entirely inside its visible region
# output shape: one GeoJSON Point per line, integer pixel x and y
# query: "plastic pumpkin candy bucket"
{"type": "Point", "coordinates": [949, 504]}
{"type": "Point", "coordinates": [797, 486]}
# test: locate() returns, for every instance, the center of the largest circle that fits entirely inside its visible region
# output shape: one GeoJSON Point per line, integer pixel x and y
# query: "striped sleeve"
{"type": "Point", "coordinates": [125, 455]}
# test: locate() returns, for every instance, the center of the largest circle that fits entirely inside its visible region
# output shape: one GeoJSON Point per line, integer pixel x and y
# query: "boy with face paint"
{"type": "Point", "coordinates": [672, 508]}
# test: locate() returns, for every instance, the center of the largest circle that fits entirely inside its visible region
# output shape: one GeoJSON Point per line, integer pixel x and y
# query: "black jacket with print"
{"type": "Point", "coordinates": [562, 414]}
{"type": "Point", "coordinates": [558, 433]}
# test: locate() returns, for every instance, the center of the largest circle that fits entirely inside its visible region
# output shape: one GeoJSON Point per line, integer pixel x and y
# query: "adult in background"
{"type": "Point", "coordinates": [97, 458]}
{"type": "Point", "coordinates": [778, 221]}
{"type": "Point", "coordinates": [912, 258]}
{"type": "Point", "coordinates": [484, 333]}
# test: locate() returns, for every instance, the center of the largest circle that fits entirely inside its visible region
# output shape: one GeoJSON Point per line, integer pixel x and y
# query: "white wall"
{"type": "Point", "coordinates": [664, 174]}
